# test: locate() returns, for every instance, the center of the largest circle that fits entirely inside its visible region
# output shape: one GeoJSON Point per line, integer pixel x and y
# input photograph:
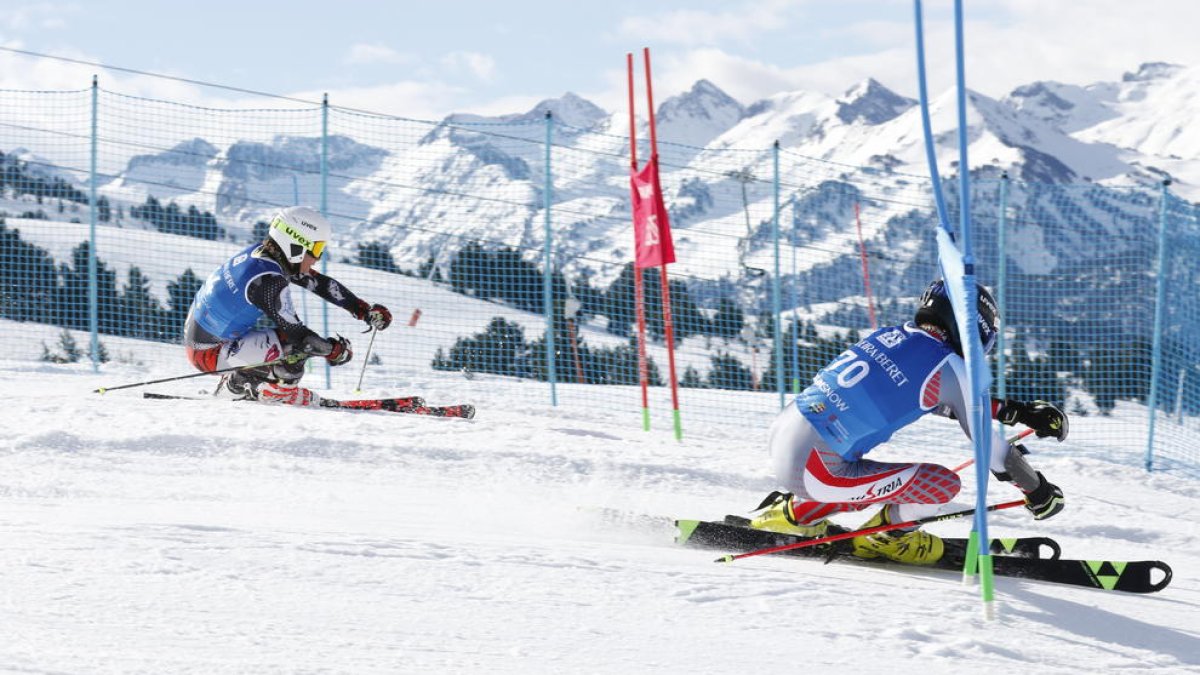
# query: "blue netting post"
{"type": "Point", "coordinates": [303, 296]}
{"type": "Point", "coordinates": [795, 306]}
{"type": "Point", "coordinates": [1001, 284]}
{"type": "Point", "coordinates": [548, 270]}
{"type": "Point", "coordinates": [776, 302]}
{"type": "Point", "coordinates": [1160, 297]}
{"type": "Point", "coordinates": [325, 212]}
{"type": "Point", "coordinates": [93, 301]}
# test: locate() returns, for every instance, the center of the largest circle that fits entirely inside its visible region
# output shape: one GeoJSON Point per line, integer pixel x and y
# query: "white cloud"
{"type": "Point", "coordinates": [1015, 42]}
{"type": "Point", "coordinates": [1009, 43]}
{"type": "Point", "coordinates": [479, 66]}
{"type": "Point", "coordinates": [38, 15]}
{"type": "Point", "coordinates": [695, 27]}
{"type": "Point", "coordinates": [412, 99]}
{"type": "Point", "coordinates": [505, 105]}
{"type": "Point", "coordinates": [367, 54]}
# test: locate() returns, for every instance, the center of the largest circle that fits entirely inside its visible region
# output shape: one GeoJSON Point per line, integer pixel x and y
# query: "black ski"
{"type": "Point", "coordinates": [169, 397]}
{"type": "Point", "coordinates": [1035, 558]}
{"type": "Point", "coordinates": [735, 534]}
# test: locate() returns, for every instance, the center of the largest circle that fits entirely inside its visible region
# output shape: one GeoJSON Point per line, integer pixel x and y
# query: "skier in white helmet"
{"type": "Point", "coordinates": [220, 329]}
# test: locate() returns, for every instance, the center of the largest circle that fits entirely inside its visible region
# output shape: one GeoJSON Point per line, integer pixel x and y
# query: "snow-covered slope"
{"type": "Point", "coordinates": [221, 537]}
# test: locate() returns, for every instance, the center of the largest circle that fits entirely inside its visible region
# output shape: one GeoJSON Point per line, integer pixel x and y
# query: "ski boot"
{"type": "Point", "coordinates": [914, 547]}
{"type": "Point", "coordinates": [775, 515]}
{"type": "Point", "coordinates": [287, 394]}
{"type": "Point", "coordinates": [237, 387]}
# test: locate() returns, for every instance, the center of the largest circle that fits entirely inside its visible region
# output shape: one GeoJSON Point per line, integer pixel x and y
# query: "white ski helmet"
{"type": "Point", "coordinates": [299, 230]}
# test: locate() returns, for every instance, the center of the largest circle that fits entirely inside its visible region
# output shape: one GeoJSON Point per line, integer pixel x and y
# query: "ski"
{"type": "Point", "coordinates": [735, 534]}
{"type": "Point", "coordinates": [169, 397]}
{"type": "Point", "coordinates": [399, 404]}
{"type": "Point", "coordinates": [1033, 558]}
{"type": "Point", "coordinates": [410, 405]}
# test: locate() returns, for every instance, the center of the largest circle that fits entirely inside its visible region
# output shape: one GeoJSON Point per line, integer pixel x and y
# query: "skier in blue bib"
{"type": "Point", "coordinates": [221, 332]}
{"type": "Point", "coordinates": [880, 384]}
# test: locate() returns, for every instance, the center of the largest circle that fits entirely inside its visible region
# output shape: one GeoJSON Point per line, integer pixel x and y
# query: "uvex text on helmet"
{"type": "Point", "coordinates": [299, 230]}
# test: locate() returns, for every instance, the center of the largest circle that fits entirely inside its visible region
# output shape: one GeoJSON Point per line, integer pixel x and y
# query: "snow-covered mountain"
{"type": "Point", "coordinates": [476, 178]}
{"type": "Point", "coordinates": [698, 116]}
{"type": "Point", "coordinates": [244, 181]}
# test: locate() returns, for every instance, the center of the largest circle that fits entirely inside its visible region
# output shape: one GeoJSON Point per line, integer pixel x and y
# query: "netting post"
{"type": "Point", "coordinates": [1160, 297]}
{"type": "Point", "coordinates": [325, 212]}
{"type": "Point", "coordinates": [776, 302]}
{"type": "Point", "coordinates": [548, 270]}
{"type": "Point", "coordinates": [1001, 284]}
{"type": "Point", "coordinates": [795, 306]}
{"type": "Point", "coordinates": [93, 290]}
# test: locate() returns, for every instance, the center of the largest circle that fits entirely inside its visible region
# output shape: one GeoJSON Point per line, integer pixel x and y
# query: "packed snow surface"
{"type": "Point", "coordinates": [217, 537]}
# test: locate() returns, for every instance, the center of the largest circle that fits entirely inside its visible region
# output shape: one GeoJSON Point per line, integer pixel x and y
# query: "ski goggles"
{"type": "Point", "coordinates": [299, 241]}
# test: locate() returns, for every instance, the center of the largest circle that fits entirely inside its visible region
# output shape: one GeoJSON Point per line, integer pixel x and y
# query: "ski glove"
{"type": "Point", "coordinates": [1044, 418]}
{"type": "Point", "coordinates": [377, 316]}
{"type": "Point", "coordinates": [340, 351]}
{"type": "Point", "coordinates": [1044, 501]}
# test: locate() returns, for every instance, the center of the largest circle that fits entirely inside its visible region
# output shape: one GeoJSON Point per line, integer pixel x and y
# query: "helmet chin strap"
{"type": "Point", "coordinates": [272, 250]}
{"type": "Point", "coordinates": [935, 330]}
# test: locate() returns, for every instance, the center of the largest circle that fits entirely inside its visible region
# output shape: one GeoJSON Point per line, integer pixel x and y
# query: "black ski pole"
{"type": "Point", "coordinates": [358, 389]}
{"type": "Point", "coordinates": [287, 359]}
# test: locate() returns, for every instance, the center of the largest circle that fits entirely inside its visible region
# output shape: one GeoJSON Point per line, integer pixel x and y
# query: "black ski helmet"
{"type": "Point", "coordinates": [935, 309]}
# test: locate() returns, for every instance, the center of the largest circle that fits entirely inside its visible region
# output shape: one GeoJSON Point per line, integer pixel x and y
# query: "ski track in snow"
{"type": "Point", "coordinates": [211, 537]}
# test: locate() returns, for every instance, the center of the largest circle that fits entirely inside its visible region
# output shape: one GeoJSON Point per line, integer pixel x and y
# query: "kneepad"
{"type": "Point", "coordinates": [288, 373]}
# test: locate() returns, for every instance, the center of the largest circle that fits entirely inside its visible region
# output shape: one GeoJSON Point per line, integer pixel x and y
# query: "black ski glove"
{"type": "Point", "coordinates": [335, 350]}
{"type": "Point", "coordinates": [340, 351]}
{"type": "Point", "coordinates": [1043, 417]}
{"type": "Point", "coordinates": [1044, 501]}
{"type": "Point", "coordinates": [377, 316]}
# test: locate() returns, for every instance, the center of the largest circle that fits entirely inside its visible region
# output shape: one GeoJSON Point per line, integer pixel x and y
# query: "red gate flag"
{"type": "Point", "coordinates": [651, 229]}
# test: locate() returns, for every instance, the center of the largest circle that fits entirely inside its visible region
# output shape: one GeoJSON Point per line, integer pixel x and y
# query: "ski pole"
{"type": "Point", "coordinates": [870, 530]}
{"type": "Point", "coordinates": [1011, 441]}
{"type": "Point", "coordinates": [358, 389]}
{"type": "Point", "coordinates": [883, 528]}
{"type": "Point", "coordinates": [287, 359]}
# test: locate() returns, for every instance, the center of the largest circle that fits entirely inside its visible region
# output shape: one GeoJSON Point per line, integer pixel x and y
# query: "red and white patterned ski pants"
{"type": "Point", "coordinates": [824, 483]}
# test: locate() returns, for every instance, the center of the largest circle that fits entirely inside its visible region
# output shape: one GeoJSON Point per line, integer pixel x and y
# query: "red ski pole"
{"type": "Point", "coordinates": [1012, 440]}
{"type": "Point", "coordinates": [859, 533]}
{"type": "Point", "coordinates": [882, 528]}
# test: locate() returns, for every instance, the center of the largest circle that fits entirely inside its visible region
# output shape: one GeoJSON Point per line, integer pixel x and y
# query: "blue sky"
{"type": "Point", "coordinates": [427, 59]}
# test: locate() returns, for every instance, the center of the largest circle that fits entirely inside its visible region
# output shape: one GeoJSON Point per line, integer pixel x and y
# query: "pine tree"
{"type": "Point", "coordinates": [728, 373]}
{"type": "Point", "coordinates": [70, 349]}
{"type": "Point", "coordinates": [376, 256]}
{"type": "Point", "coordinates": [729, 319]}
{"type": "Point", "coordinates": [180, 294]}
{"type": "Point", "coordinates": [692, 379]}
{"type": "Point", "coordinates": [618, 303]}
{"type": "Point", "coordinates": [140, 313]}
